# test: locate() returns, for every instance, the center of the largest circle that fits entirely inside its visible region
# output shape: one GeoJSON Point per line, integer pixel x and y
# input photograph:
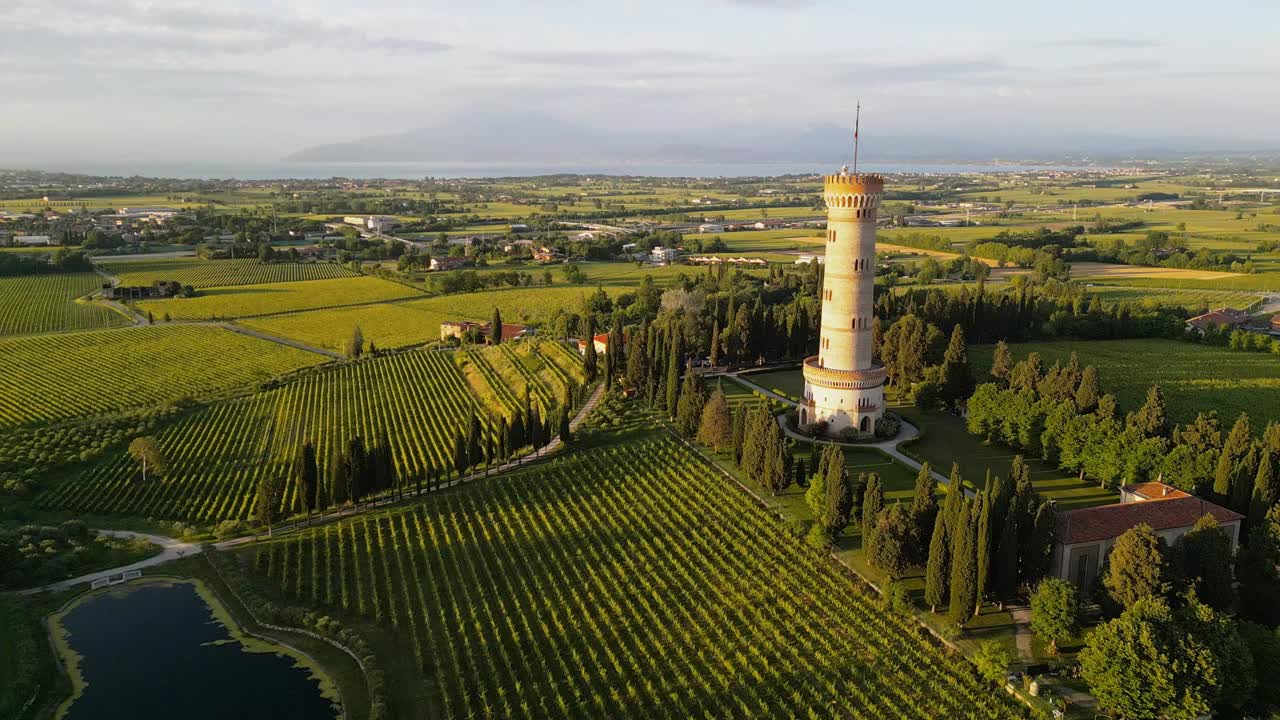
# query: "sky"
{"type": "Point", "coordinates": [112, 80]}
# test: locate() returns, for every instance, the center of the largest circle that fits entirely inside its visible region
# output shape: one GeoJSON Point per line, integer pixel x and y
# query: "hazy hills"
{"type": "Point", "coordinates": [482, 136]}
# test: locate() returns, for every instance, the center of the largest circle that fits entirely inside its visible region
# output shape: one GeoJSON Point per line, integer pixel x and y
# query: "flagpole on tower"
{"type": "Point", "coordinates": [857, 119]}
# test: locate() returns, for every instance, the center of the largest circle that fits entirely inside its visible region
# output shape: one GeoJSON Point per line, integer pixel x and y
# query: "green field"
{"type": "Point", "coordinates": [1194, 378]}
{"type": "Point", "coordinates": [623, 581]}
{"type": "Point", "coordinates": [219, 452]}
{"type": "Point", "coordinates": [32, 304]}
{"type": "Point", "coordinates": [254, 300]}
{"type": "Point", "coordinates": [1192, 300]}
{"type": "Point", "coordinates": [220, 273]}
{"type": "Point", "coordinates": [68, 375]}
{"type": "Point", "coordinates": [1257, 282]}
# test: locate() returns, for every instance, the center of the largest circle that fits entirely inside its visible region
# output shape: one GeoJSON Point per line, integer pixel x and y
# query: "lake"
{"type": "Point", "coordinates": [154, 650]}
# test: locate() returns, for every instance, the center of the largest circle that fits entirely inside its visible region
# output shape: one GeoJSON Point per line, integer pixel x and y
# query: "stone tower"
{"type": "Point", "coordinates": [843, 385]}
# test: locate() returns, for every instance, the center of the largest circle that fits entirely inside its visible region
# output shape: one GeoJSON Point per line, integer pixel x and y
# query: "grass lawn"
{"type": "Point", "coordinates": [1193, 377]}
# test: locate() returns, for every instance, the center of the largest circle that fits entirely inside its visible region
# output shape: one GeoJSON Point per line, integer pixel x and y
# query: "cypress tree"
{"type": "Point", "coordinates": [715, 343]}
{"type": "Point", "coordinates": [589, 354]}
{"type": "Point", "coordinates": [964, 566]}
{"type": "Point", "coordinates": [983, 550]}
{"type": "Point", "coordinates": [841, 493]}
{"type": "Point", "coordinates": [308, 477]}
{"type": "Point", "coordinates": [357, 470]}
{"type": "Point", "coordinates": [459, 454]}
{"type": "Point", "coordinates": [1089, 391]}
{"type": "Point", "coordinates": [1151, 419]}
{"type": "Point", "coordinates": [337, 480]}
{"type": "Point", "coordinates": [689, 411]}
{"type": "Point", "coordinates": [1006, 559]}
{"type": "Point", "coordinates": [566, 436]}
{"type": "Point", "coordinates": [1002, 364]}
{"type": "Point", "coordinates": [495, 328]}
{"type": "Point", "coordinates": [1243, 481]}
{"type": "Point", "coordinates": [671, 392]}
{"type": "Point", "coordinates": [872, 504]}
{"type": "Point", "coordinates": [957, 375]}
{"type": "Point", "coordinates": [1266, 489]}
{"type": "Point", "coordinates": [1232, 456]}
{"type": "Point", "coordinates": [924, 508]}
{"type": "Point", "coordinates": [937, 577]}
{"type": "Point", "coordinates": [474, 451]}
{"type": "Point", "coordinates": [638, 357]}
{"type": "Point", "coordinates": [816, 495]}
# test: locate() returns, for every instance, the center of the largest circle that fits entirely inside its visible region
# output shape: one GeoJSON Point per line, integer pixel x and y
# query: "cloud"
{"type": "Point", "coordinates": [611, 58]}
{"type": "Point", "coordinates": [773, 4]}
{"type": "Point", "coordinates": [984, 69]}
{"type": "Point", "coordinates": [94, 24]}
{"type": "Point", "coordinates": [1105, 43]}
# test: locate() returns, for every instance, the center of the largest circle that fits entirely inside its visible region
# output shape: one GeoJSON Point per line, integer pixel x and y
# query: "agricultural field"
{"type": "Point", "coordinates": [254, 300]}
{"type": "Point", "coordinates": [220, 273]}
{"type": "Point", "coordinates": [1192, 300]}
{"type": "Point", "coordinates": [219, 452]}
{"type": "Point", "coordinates": [386, 325]}
{"type": "Point", "coordinates": [501, 376]}
{"type": "Point", "coordinates": [50, 377]}
{"type": "Point", "coordinates": [621, 581]}
{"type": "Point", "coordinates": [1256, 282]}
{"type": "Point", "coordinates": [31, 304]}
{"type": "Point", "coordinates": [1193, 377]}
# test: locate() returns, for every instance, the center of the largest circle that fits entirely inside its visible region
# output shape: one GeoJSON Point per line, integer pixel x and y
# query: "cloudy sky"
{"type": "Point", "coordinates": [239, 80]}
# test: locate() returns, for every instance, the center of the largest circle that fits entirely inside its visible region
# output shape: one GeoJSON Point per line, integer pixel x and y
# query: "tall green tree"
{"type": "Point", "coordinates": [1136, 567]}
{"type": "Point", "coordinates": [589, 359]}
{"type": "Point", "coordinates": [1258, 568]}
{"type": "Point", "coordinates": [1089, 391]}
{"type": "Point", "coordinates": [894, 531]}
{"type": "Point", "coordinates": [495, 328]}
{"type": "Point", "coordinates": [1234, 453]}
{"type": "Point", "coordinates": [266, 507]}
{"type": "Point", "coordinates": [1204, 559]}
{"type": "Point", "coordinates": [715, 429]}
{"type": "Point", "coordinates": [357, 470]}
{"type": "Point", "coordinates": [872, 504]}
{"type": "Point", "coordinates": [338, 485]}
{"type": "Point", "coordinates": [1266, 488]}
{"type": "Point", "coordinates": [1001, 364]}
{"type": "Point", "coordinates": [149, 455]}
{"type": "Point", "coordinates": [307, 476]}
{"type": "Point", "coordinates": [689, 410]}
{"type": "Point", "coordinates": [675, 367]}
{"type": "Point", "coordinates": [964, 565]}
{"type": "Point", "coordinates": [1055, 612]}
{"type": "Point", "coordinates": [1150, 420]}
{"type": "Point", "coordinates": [957, 374]}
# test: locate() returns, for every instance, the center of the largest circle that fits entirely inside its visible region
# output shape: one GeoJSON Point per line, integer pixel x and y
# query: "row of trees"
{"type": "Point", "coordinates": [1063, 416]}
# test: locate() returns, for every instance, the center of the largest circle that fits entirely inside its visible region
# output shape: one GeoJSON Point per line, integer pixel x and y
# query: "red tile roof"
{"type": "Point", "coordinates": [1222, 317]}
{"type": "Point", "coordinates": [1111, 521]}
{"type": "Point", "coordinates": [1155, 491]}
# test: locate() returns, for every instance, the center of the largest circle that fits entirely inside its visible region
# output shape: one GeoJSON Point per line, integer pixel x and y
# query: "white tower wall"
{"type": "Point", "coordinates": [844, 386]}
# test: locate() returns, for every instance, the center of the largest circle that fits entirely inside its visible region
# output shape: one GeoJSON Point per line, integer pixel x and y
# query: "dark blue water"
{"type": "Point", "coordinates": [146, 655]}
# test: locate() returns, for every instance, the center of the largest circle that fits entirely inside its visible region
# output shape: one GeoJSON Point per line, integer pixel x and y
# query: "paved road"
{"type": "Point", "coordinates": [173, 549]}
{"type": "Point", "coordinates": [277, 339]}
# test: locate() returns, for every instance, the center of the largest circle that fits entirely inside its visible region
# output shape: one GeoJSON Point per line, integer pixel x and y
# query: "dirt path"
{"type": "Point", "coordinates": [172, 549]}
{"type": "Point", "coordinates": [277, 339]}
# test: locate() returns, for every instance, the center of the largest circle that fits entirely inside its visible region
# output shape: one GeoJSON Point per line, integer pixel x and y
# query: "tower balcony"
{"type": "Point", "coordinates": [815, 374]}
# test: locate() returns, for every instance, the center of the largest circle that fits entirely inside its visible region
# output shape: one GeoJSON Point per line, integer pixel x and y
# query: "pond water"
{"type": "Point", "coordinates": [155, 651]}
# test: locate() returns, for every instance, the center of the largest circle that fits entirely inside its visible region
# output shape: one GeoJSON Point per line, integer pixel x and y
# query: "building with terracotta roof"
{"type": "Point", "coordinates": [1222, 319]}
{"type": "Point", "coordinates": [461, 328]}
{"type": "Point", "coordinates": [1085, 536]}
{"type": "Point", "coordinates": [600, 341]}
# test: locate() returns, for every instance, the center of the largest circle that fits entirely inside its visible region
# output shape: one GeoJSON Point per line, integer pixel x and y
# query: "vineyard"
{"type": "Point", "coordinates": [32, 304]}
{"type": "Point", "coordinates": [253, 300]}
{"type": "Point", "coordinates": [386, 325]}
{"type": "Point", "coordinates": [219, 452]}
{"type": "Point", "coordinates": [48, 377]}
{"type": "Point", "coordinates": [1193, 300]}
{"type": "Point", "coordinates": [501, 376]}
{"type": "Point", "coordinates": [220, 273]}
{"type": "Point", "coordinates": [623, 581]}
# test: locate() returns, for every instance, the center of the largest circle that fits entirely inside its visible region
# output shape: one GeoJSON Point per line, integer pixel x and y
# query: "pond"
{"type": "Point", "coordinates": [158, 650]}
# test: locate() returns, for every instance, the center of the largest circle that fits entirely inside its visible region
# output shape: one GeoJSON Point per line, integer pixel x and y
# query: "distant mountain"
{"type": "Point", "coordinates": [487, 136]}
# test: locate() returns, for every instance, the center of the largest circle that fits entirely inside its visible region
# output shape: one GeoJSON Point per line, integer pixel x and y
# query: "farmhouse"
{"type": "Point", "coordinates": [1085, 536]}
{"type": "Point", "coordinates": [710, 228]}
{"type": "Point", "coordinates": [601, 343]}
{"type": "Point", "coordinates": [162, 289]}
{"type": "Point", "coordinates": [1222, 319]}
{"type": "Point", "coordinates": [461, 328]}
{"type": "Point", "coordinates": [33, 240]}
{"type": "Point", "coordinates": [546, 254]}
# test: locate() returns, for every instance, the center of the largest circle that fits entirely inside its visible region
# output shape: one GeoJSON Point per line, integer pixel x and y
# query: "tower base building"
{"type": "Point", "coordinates": [843, 384]}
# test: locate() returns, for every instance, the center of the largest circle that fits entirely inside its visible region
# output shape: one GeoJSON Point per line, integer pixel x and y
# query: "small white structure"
{"type": "Point", "coordinates": [806, 259]}
{"type": "Point", "coordinates": [710, 228]}
{"type": "Point", "coordinates": [663, 255]}
{"type": "Point", "coordinates": [33, 240]}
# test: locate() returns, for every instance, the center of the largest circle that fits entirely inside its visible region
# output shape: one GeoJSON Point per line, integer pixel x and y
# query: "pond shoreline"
{"type": "Point", "coordinates": [69, 660]}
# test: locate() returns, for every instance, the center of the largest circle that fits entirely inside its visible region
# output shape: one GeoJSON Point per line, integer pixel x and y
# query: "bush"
{"type": "Point", "coordinates": [993, 661]}
{"type": "Point", "coordinates": [818, 538]}
{"type": "Point", "coordinates": [888, 426]}
{"type": "Point", "coordinates": [897, 599]}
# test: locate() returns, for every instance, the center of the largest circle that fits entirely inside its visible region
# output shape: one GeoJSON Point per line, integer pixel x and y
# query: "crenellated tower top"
{"type": "Point", "coordinates": [845, 190]}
